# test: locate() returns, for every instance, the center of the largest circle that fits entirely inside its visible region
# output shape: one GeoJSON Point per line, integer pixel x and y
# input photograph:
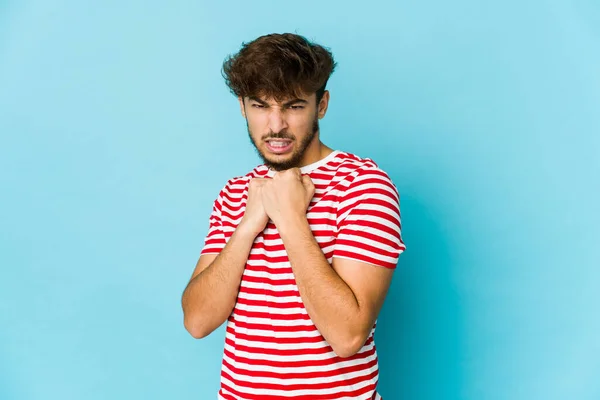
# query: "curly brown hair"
{"type": "Point", "coordinates": [279, 66]}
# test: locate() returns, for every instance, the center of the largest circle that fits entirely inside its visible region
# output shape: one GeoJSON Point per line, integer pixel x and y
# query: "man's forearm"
{"type": "Point", "coordinates": [329, 301]}
{"type": "Point", "coordinates": [209, 298]}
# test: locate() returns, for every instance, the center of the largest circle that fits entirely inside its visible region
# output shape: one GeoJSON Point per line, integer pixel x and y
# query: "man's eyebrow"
{"type": "Point", "coordinates": [256, 99]}
{"type": "Point", "coordinates": [288, 103]}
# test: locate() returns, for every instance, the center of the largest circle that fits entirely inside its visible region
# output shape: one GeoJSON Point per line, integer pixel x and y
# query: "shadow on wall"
{"type": "Point", "coordinates": [418, 332]}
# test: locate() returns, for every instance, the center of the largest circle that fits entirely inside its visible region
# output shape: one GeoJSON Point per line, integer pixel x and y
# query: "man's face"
{"type": "Point", "coordinates": [281, 132]}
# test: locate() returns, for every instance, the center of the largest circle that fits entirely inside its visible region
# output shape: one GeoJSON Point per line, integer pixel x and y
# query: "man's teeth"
{"type": "Point", "coordinates": [278, 144]}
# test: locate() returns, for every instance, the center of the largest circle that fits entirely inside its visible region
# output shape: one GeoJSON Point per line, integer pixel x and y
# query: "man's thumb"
{"type": "Point", "coordinates": [306, 181]}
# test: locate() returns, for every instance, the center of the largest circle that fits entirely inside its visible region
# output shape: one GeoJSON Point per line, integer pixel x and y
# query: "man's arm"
{"type": "Point", "coordinates": [210, 296]}
{"type": "Point", "coordinates": [343, 301]}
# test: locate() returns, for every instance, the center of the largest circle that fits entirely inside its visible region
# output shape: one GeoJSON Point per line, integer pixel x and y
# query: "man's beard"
{"type": "Point", "coordinates": [298, 154]}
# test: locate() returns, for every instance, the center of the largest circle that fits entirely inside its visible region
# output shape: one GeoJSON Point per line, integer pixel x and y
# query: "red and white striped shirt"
{"type": "Point", "coordinates": [272, 348]}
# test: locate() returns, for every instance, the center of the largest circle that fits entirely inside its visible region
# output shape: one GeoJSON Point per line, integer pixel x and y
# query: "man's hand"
{"type": "Point", "coordinates": [255, 217]}
{"type": "Point", "coordinates": [287, 195]}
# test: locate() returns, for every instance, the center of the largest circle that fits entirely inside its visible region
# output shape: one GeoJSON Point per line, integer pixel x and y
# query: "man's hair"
{"type": "Point", "coordinates": [279, 66]}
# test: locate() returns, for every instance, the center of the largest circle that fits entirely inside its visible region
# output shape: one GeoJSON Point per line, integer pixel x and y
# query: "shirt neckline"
{"type": "Point", "coordinates": [311, 167]}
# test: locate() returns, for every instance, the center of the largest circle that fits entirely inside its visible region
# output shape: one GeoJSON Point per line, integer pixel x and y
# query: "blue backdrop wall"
{"type": "Point", "coordinates": [117, 132]}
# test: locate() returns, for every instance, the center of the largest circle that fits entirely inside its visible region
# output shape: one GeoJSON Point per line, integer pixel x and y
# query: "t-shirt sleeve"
{"type": "Point", "coordinates": [215, 238]}
{"type": "Point", "coordinates": [368, 220]}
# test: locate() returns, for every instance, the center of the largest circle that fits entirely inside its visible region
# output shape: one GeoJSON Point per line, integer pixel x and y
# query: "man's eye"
{"type": "Point", "coordinates": [297, 107]}
{"type": "Point", "coordinates": [258, 106]}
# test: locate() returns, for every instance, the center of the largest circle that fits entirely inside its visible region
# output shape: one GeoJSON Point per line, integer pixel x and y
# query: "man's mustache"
{"type": "Point", "coordinates": [277, 136]}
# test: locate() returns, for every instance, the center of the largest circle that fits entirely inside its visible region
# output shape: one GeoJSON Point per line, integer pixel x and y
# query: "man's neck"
{"type": "Point", "coordinates": [313, 155]}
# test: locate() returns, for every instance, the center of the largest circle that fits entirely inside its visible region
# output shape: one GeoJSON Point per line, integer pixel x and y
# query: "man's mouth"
{"type": "Point", "coordinates": [279, 146]}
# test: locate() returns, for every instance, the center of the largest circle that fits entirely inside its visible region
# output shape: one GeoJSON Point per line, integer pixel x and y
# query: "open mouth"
{"type": "Point", "coordinates": [279, 146]}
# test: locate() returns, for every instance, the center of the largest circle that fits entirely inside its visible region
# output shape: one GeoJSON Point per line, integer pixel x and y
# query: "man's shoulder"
{"type": "Point", "coordinates": [356, 167]}
{"type": "Point", "coordinates": [241, 181]}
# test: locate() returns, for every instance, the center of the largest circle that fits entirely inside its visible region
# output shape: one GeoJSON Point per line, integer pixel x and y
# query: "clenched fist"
{"type": "Point", "coordinates": [287, 195]}
{"type": "Point", "coordinates": [255, 218]}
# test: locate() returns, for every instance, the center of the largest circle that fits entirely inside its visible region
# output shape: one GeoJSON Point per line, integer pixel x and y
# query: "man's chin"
{"type": "Point", "coordinates": [280, 162]}
{"type": "Point", "coordinates": [277, 166]}
{"type": "Point", "coordinates": [276, 157]}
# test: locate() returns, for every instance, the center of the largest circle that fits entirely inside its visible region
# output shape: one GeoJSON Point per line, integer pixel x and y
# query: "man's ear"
{"type": "Point", "coordinates": [242, 106]}
{"type": "Point", "coordinates": [323, 104]}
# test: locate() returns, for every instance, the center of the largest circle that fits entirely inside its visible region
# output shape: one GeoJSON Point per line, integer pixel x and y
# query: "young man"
{"type": "Point", "coordinates": [300, 251]}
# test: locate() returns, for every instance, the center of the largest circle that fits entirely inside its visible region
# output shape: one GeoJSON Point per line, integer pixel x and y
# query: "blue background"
{"type": "Point", "coordinates": [117, 132]}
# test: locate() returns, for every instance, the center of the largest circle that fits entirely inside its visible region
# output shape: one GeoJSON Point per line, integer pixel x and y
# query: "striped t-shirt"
{"type": "Point", "coordinates": [272, 348]}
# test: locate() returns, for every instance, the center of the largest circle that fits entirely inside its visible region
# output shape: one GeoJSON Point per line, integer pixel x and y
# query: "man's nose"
{"type": "Point", "coordinates": [277, 120]}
